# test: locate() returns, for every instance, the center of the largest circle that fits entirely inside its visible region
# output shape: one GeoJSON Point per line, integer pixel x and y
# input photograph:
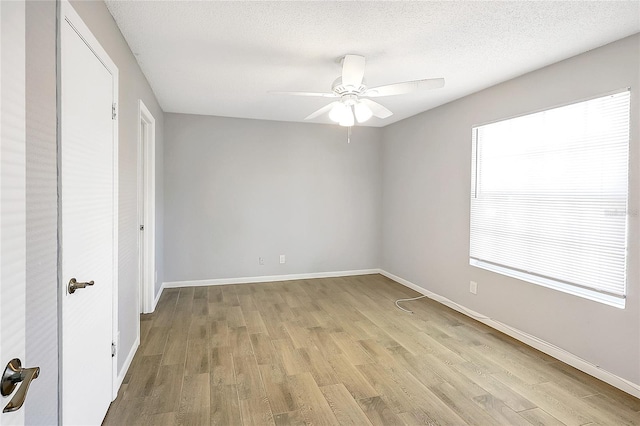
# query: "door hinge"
{"type": "Point", "coordinates": [113, 111]}
{"type": "Point", "coordinates": [113, 349]}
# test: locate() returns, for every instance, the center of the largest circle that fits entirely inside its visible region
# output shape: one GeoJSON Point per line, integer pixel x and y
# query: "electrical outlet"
{"type": "Point", "coordinates": [473, 287]}
{"type": "Point", "coordinates": [283, 259]}
{"type": "Point", "coordinates": [261, 260]}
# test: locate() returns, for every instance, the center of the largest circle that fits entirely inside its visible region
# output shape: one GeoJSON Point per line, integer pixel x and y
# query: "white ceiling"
{"type": "Point", "coordinates": [222, 58]}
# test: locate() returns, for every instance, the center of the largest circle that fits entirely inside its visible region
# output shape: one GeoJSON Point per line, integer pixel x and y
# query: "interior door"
{"type": "Point", "coordinates": [88, 223]}
{"type": "Point", "coordinates": [12, 194]}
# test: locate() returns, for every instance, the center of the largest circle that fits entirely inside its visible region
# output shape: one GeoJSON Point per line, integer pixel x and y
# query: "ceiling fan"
{"type": "Point", "coordinates": [354, 104]}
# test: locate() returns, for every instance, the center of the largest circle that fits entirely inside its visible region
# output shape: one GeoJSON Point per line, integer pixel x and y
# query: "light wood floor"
{"type": "Point", "coordinates": [337, 351]}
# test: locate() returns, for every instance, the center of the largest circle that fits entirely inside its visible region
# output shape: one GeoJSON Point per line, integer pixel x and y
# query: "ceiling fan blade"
{"type": "Point", "coordinates": [405, 87]}
{"type": "Point", "coordinates": [316, 94]}
{"type": "Point", "coordinates": [377, 109]}
{"type": "Point", "coordinates": [352, 70]}
{"type": "Point", "coordinates": [325, 109]}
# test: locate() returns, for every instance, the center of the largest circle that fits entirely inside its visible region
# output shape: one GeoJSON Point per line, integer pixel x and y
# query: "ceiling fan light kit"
{"type": "Point", "coordinates": [354, 104]}
{"type": "Point", "coordinates": [344, 111]}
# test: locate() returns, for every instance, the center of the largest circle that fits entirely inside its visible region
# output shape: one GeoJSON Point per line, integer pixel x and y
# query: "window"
{"type": "Point", "coordinates": [549, 198]}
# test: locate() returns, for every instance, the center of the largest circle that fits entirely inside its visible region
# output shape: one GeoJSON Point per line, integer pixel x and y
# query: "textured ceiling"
{"type": "Point", "coordinates": [222, 58]}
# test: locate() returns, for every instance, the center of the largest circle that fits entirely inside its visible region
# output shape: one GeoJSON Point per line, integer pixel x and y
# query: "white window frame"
{"type": "Point", "coordinates": [537, 278]}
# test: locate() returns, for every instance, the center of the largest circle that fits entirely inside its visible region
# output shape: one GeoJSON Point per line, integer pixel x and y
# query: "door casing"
{"type": "Point", "coordinates": [146, 207]}
{"type": "Point", "coordinates": [12, 194]}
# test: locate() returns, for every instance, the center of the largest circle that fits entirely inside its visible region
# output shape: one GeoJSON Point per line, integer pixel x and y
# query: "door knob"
{"type": "Point", "coordinates": [14, 374]}
{"type": "Point", "coordinates": [74, 285]}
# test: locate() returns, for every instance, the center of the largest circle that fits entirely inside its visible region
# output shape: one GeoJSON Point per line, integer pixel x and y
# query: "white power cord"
{"type": "Point", "coordinates": [407, 300]}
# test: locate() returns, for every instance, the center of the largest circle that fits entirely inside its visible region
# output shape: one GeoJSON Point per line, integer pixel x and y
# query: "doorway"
{"type": "Point", "coordinates": [146, 208]}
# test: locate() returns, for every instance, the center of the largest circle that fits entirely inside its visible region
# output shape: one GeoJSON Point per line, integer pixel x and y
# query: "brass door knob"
{"type": "Point", "coordinates": [14, 374]}
{"type": "Point", "coordinates": [74, 285]}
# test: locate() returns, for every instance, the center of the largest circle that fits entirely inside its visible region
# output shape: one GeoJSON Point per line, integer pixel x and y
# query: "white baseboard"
{"type": "Point", "coordinates": [155, 301]}
{"type": "Point", "coordinates": [535, 342]}
{"type": "Point", "coordinates": [127, 364]}
{"type": "Point", "coordinates": [268, 278]}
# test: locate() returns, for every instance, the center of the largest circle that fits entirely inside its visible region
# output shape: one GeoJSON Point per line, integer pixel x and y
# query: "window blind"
{"type": "Point", "coordinates": [549, 197]}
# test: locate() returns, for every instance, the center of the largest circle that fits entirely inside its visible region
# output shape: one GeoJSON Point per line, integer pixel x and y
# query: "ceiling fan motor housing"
{"type": "Point", "coordinates": [340, 89]}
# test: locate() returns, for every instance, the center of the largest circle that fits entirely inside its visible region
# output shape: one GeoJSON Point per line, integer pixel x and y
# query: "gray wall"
{"type": "Point", "coordinates": [426, 192]}
{"type": "Point", "coordinates": [133, 86]}
{"type": "Point", "coordinates": [41, 211]}
{"type": "Point", "coordinates": [237, 189]}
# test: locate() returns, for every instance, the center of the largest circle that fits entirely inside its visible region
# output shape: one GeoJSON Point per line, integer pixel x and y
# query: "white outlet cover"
{"type": "Point", "coordinates": [473, 287]}
{"type": "Point", "coordinates": [283, 259]}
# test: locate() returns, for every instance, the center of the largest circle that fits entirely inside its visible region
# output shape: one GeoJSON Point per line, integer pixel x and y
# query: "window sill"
{"type": "Point", "coordinates": [595, 296]}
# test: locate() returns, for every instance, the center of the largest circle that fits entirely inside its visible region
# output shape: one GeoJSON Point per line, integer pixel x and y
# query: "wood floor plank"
{"type": "Point", "coordinates": [175, 351]}
{"type": "Point", "coordinates": [142, 383]}
{"type": "Point", "coordinates": [566, 413]}
{"type": "Point", "coordinates": [256, 411]}
{"type": "Point", "coordinates": [235, 317]}
{"type": "Point", "coordinates": [378, 413]}
{"type": "Point", "coordinates": [386, 387]}
{"type": "Point", "coordinates": [224, 405]}
{"type": "Point", "coordinates": [248, 381]}
{"type": "Point", "coordinates": [420, 367]}
{"type": "Point", "coordinates": [184, 304]}
{"type": "Point", "coordinates": [200, 307]}
{"type": "Point", "coordinates": [197, 357]}
{"type": "Point", "coordinates": [352, 378]}
{"type": "Point", "coordinates": [499, 411]}
{"type": "Point", "coordinates": [290, 358]}
{"type": "Point", "coordinates": [351, 349]}
{"type": "Point", "coordinates": [156, 339]}
{"type": "Point", "coordinates": [194, 401]}
{"type": "Point", "coordinates": [404, 393]}
{"type": "Point", "coordinates": [221, 365]}
{"type": "Point", "coordinates": [277, 390]}
{"type": "Point", "coordinates": [229, 295]}
{"type": "Point", "coordinates": [239, 341]}
{"type": "Point", "coordinates": [626, 401]}
{"type": "Point", "coordinates": [219, 331]}
{"type": "Point", "coordinates": [613, 409]}
{"type": "Point", "coordinates": [247, 303]}
{"type": "Point", "coordinates": [261, 345]}
{"type": "Point", "coordinates": [344, 407]}
{"type": "Point", "coordinates": [291, 418]}
{"type": "Point", "coordinates": [161, 419]}
{"type": "Point", "coordinates": [310, 401]}
{"type": "Point", "coordinates": [254, 322]}
{"type": "Point", "coordinates": [539, 417]}
{"type": "Point", "coordinates": [300, 336]}
{"type": "Point", "coordinates": [319, 368]}
{"type": "Point", "coordinates": [511, 398]}
{"type": "Point", "coordinates": [596, 413]}
{"type": "Point", "coordinates": [466, 409]}
{"type": "Point", "coordinates": [167, 387]}
{"type": "Point", "coordinates": [321, 339]}
{"type": "Point", "coordinates": [199, 328]}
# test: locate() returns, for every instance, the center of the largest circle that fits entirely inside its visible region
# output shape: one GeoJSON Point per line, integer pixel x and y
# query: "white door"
{"type": "Point", "coordinates": [88, 222]}
{"type": "Point", "coordinates": [12, 194]}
